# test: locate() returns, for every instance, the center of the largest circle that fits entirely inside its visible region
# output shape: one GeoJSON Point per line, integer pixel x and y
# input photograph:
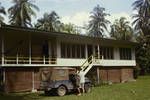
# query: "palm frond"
{"type": "Point", "coordinates": [20, 13]}
{"type": "Point", "coordinates": [98, 23]}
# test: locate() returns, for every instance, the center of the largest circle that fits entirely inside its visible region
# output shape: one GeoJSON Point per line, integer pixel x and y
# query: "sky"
{"type": "Point", "coordinates": [78, 11]}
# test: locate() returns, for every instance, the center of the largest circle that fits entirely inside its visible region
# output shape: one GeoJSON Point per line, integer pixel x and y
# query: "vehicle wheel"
{"type": "Point", "coordinates": [87, 88]}
{"type": "Point", "coordinates": [61, 90]}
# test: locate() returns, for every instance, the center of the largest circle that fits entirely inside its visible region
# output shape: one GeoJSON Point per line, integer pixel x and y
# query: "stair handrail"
{"type": "Point", "coordinates": [89, 60]}
{"type": "Point", "coordinates": [89, 63]}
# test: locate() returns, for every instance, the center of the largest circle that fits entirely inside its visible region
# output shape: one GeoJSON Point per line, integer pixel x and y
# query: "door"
{"type": "Point", "coordinates": [90, 50]}
{"type": "Point", "coordinates": [46, 51]}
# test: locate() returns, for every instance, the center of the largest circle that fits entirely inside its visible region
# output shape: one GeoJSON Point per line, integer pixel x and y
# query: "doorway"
{"type": "Point", "coordinates": [46, 52]}
{"type": "Point", "coordinates": [90, 50]}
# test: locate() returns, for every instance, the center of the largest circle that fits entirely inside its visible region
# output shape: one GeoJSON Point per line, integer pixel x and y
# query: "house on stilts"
{"type": "Point", "coordinates": [24, 52]}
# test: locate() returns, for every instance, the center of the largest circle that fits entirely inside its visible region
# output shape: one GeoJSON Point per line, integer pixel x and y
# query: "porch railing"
{"type": "Point", "coordinates": [28, 60]}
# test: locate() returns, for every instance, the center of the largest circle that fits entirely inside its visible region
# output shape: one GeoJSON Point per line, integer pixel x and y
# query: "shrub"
{"type": "Point", "coordinates": [136, 72]}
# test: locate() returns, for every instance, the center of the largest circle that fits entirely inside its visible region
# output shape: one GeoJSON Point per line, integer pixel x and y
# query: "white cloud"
{"type": "Point", "coordinates": [79, 19]}
{"type": "Point", "coordinates": [82, 18]}
{"type": "Point", "coordinates": [118, 15]}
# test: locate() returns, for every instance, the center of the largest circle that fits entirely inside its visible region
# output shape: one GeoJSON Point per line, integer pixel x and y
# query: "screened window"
{"type": "Point", "coordinates": [78, 51]}
{"type": "Point", "coordinates": [125, 53]}
{"type": "Point", "coordinates": [72, 50]}
{"type": "Point", "coordinates": [107, 52]}
{"type": "Point", "coordinates": [68, 51]}
{"type": "Point", "coordinates": [82, 51]}
{"type": "Point", "coordinates": [63, 53]}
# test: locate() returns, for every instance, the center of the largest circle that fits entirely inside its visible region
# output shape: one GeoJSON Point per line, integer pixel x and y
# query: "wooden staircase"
{"type": "Point", "coordinates": [89, 63]}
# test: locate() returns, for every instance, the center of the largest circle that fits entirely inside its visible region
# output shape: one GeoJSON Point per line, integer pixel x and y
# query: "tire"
{"type": "Point", "coordinates": [61, 90]}
{"type": "Point", "coordinates": [87, 88]}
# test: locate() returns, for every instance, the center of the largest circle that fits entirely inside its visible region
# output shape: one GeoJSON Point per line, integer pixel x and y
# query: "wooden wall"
{"type": "Point", "coordinates": [21, 79]}
{"type": "Point", "coordinates": [116, 75]}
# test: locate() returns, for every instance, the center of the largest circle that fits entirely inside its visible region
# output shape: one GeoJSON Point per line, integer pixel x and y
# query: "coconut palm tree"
{"type": "Point", "coordinates": [2, 11]}
{"type": "Point", "coordinates": [20, 13]}
{"type": "Point", "coordinates": [49, 22]}
{"type": "Point", "coordinates": [98, 23]}
{"type": "Point", "coordinates": [121, 29]}
{"type": "Point", "coordinates": [142, 25]}
{"type": "Point", "coordinates": [142, 17]}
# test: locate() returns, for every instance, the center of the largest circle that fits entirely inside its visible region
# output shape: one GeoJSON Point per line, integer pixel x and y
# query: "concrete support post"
{"type": "Point", "coordinates": [3, 59]}
{"type": "Point", "coordinates": [17, 59]}
{"type": "Point", "coordinates": [3, 50]}
{"type": "Point", "coordinates": [58, 48]}
{"type": "Point", "coordinates": [86, 51]}
{"type": "Point", "coordinates": [44, 60]}
{"type": "Point", "coordinates": [98, 51]}
{"type": "Point", "coordinates": [33, 83]}
{"type": "Point", "coordinates": [133, 54]}
{"type": "Point", "coordinates": [116, 53]}
{"type": "Point", "coordinates": [94, 53]}
{"type": "Point", "coordinates": [49, 52]}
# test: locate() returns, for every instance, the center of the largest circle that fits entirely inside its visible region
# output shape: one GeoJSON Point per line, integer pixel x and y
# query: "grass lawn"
{"type": "Point", "coordinates": [138, 90]}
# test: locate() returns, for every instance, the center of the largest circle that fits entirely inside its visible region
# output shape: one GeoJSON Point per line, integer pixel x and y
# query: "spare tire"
{"type": "Point", "coordinates": [61, 90]}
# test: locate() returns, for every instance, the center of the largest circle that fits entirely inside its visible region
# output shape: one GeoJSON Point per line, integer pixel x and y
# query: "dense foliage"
{"type": "Point", "coordinates": [49, 22]}
{"type": "Point", "coordinates": [142, 16]}
{"type": "Point", "coordinates": [142, 26]}
{"type": "Point", "coordinates": [121, 29]}
{"type": "Point", "coordinates": [20, 13]}
{"type": "Point", "coordinates": [2, 11]}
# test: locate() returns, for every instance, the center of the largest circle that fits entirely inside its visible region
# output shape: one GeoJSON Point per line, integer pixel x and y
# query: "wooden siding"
{"type": "Point", "coordinates": [116, 75]}
{"type": "Point", "coordinates": [18, 79]}
{"type": "Point", "coordinates": [127, 74]}
{"type": "Point", "coordinates": [21, 79]}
